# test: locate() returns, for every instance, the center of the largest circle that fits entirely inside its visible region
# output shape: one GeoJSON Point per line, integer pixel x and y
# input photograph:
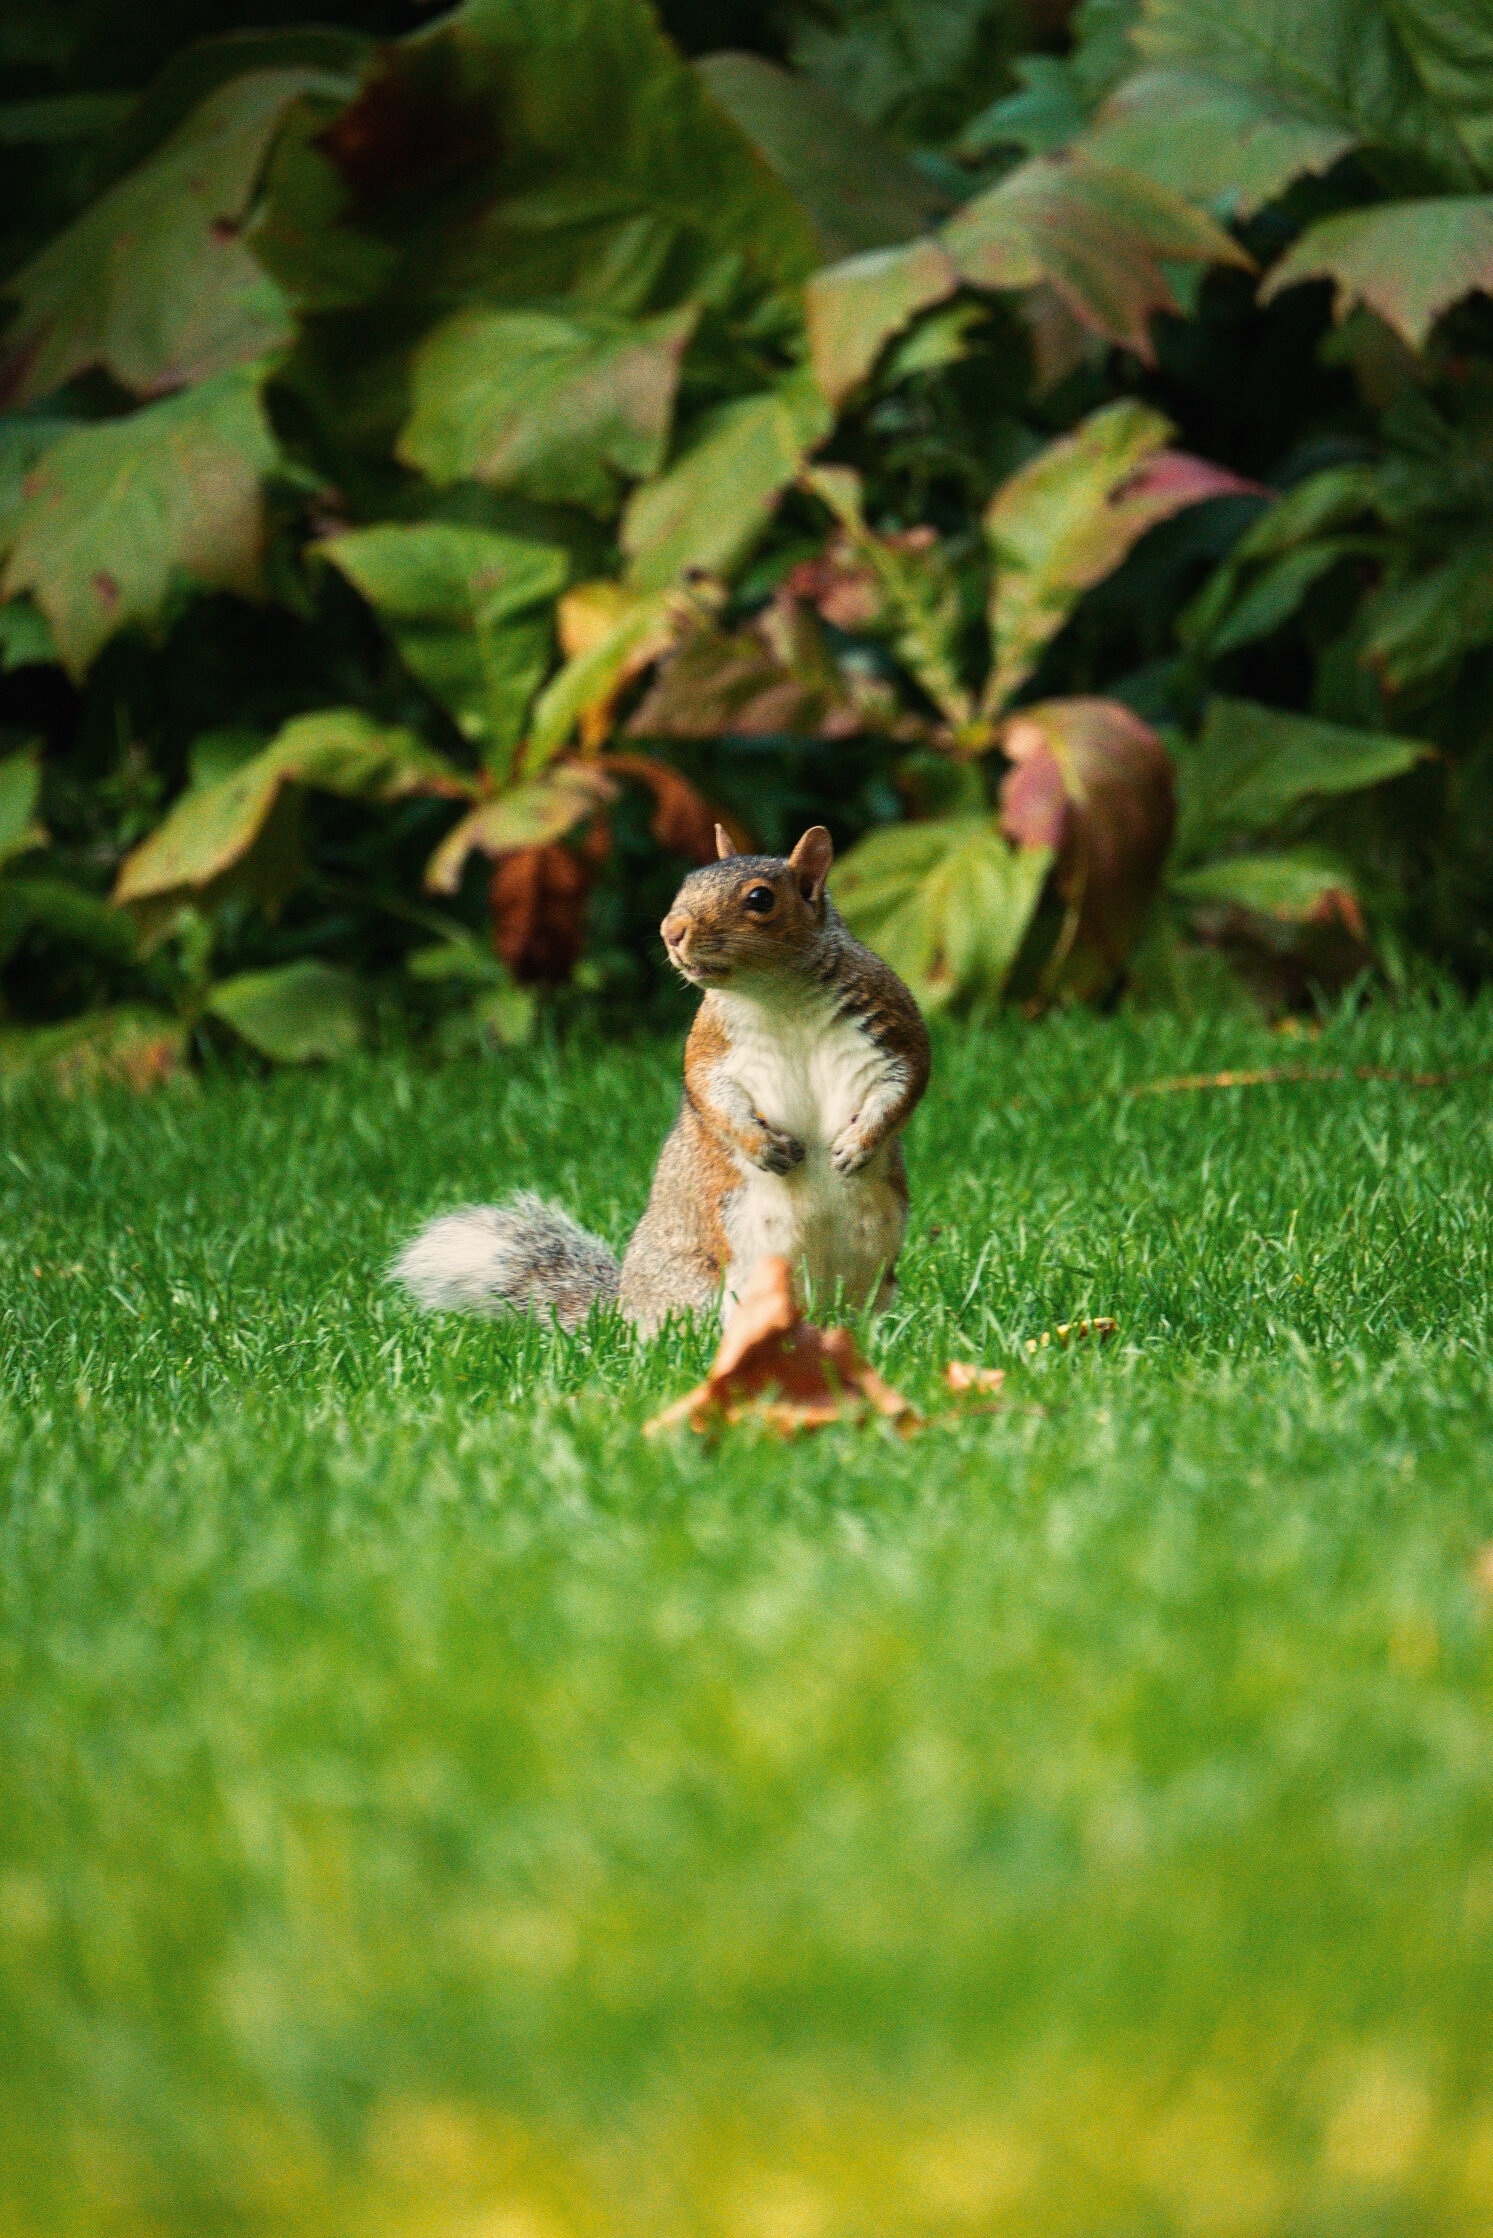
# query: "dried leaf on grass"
{"type": "Point", "coordinates": [1073, 1332]}
{"type": "Point", "coordinates": [774, 1368]}
{"type": "Point", "coordinates": [967, 1375]}
{"type": "Point", "coordinates": [979, 1387]}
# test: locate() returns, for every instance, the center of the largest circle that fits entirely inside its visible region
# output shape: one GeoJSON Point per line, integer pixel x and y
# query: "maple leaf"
{"type": "Point", "coordinates": [774, 1367]}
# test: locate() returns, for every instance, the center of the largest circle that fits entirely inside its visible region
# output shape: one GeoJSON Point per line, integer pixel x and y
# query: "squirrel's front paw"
{"type": "Point", "coordinates": [849, 1151]}
{"type": "Point", "coordinates": [775, 1151]}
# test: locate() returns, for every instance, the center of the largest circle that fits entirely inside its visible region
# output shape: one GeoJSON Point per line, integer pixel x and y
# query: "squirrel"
{"type": "Point", "coordinates": [803, 1065]}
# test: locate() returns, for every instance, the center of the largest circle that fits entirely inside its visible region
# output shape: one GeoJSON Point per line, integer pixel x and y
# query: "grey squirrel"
{"type": "Point", "coordinates": [804, 1063]}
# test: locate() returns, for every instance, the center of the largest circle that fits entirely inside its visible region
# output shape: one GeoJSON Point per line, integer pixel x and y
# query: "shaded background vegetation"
{"type": "Point", "coordinates": [1108, 560]}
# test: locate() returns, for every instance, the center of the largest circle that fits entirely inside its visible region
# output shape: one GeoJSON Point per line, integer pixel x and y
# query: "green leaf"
{"type": "Point", "coordinates": [1423, 623]}
{"type": "Point", "coordinates": [500, 1012]}
{"type": "Point", "coordinates": [1068, 517]}
{"type": "Point", "coordinates": [1224, 622]}
{"type": "Point", "coordinates": [530, 815]}
{"type": "Point", "coordinates": [501, 1017]}
{"type": "Point", "coordinates": [1340, 63]}
{"type": "Point", "coordinates": [1409, 261]}
{"type": "Point", "coordinates": [1450, 43]}
{"type": "Point", "coordinates": [857, 187]}
{"type": "Point", "coordinates": [1299, 886]}
{"type": "Point", "coordinates": [469, 611]}
{"type": "Point", "coordinates": [918, 590]}
{"type": "Point", "coordinates": [23, 440]}
{"type": "Point", "coordinates": [20, 790]}
{"type": "Point", "coordinates": [154, 281]}
{"type": "Point", "coordinates": [946, 904]}
{"type": "Point", "coordinates": [26, 639]}
{"type": "Point", "coordinates": [921, 66]}
{"type": "Point", "coordinates": [217, 830]}
{"type": "Point", "coordinates": [295, 1015]}
{"type": "Point", "coordinates": [63, 912]}
{"type": "Point", "coordinates": [518, 152]}
{"type": "Point", "coordinates": [1098, 236]}
{"type": "Point", "coordinates": [557, 408]}
{"type": "Point", "coordinates": [1044, 116]}
{"type": "Point", "coordinates": [1213, 142]}
{"type": "Point", "coordinates": [114, 512]}
{"type": "Point", "coordinates": [852, 310]}
{"type": "Point", "coordinates": [1252, 765]}
{"type": "Point", "coordinates": [710, 506]}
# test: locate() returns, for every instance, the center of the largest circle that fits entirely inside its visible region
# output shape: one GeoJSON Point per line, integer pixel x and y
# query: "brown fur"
{"type": "Point", "coordinates": [795, 950]}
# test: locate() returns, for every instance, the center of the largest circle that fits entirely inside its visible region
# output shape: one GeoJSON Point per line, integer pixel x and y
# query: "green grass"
{"type": "Point", "coordinates": [429, 1809]}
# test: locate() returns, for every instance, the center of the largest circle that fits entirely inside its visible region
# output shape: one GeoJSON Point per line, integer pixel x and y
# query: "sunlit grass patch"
{"type": "Point", "coordinates": [427, 1806]}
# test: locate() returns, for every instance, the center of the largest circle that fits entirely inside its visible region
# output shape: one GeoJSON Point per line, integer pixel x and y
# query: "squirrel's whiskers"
{"type": "Point", "coordinates": [804, 1063]}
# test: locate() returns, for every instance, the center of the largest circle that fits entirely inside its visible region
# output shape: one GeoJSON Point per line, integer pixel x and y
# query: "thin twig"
{"type": "Point", "coordinates": [1270, 1076]}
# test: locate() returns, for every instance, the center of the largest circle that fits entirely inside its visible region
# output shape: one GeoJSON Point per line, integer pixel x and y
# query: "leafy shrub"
{"type": "Point", "coordinates": [444, 474]}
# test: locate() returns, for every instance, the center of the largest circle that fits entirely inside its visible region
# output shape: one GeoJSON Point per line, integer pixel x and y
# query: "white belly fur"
{"type": "Point", "coordinates": [809, 1076]}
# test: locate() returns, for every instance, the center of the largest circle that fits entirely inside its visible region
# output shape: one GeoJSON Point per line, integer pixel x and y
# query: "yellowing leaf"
{"type": "Point", "coordinates": [532, 815]}
{"type": "Point", "coordinates": [132, 1046]}
{"type": "Point", "coordinates": [215, 829]}
{"type": "Point", "coordinates": [557, 408]}
{"type": "Point", "coordinates": [154, 281]}
{"type": "Point", "coordinates": [612, 633]}
{"type": "Point", "coordinates": [1409, 261]}
{"type": "Point", "coordinates": [1301, 887]}
{"type": "Point", "coordinates": [1097, 236]}
{"type": "Point", "coordinates": [852, 310]}
{"type": "Point", "coordinates": [1218, 143]}
{"type": "Point", "coordinates": [112, 512]}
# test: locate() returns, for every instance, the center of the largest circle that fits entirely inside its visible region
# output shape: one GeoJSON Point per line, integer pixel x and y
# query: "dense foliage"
{"type": "Point", "coordinates": [446, 468]}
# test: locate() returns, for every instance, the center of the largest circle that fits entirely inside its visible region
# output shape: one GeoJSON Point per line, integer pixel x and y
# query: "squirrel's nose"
{"type": "Point", "coordinates": [674, 930]}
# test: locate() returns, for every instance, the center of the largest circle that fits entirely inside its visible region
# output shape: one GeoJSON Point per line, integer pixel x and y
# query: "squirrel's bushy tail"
{"type": "Point", "coordinates": [524, 1256]}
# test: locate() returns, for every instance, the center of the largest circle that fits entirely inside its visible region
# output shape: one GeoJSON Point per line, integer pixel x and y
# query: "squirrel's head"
{"type": "Point", "coordinates": [750, 916]}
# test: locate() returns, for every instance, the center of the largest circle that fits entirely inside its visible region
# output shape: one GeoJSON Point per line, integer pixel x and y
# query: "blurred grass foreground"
{"type": "Point", "coordinates": [429, 1810]}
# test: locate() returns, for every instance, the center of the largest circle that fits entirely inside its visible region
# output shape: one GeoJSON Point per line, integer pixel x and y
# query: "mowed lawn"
{"type": "Point", "coordinates": [428, 1809]}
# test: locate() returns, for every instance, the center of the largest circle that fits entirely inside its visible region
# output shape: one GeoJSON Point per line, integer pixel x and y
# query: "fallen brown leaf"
{"type": "Point", "coordinates": [776, 1368]}
{"type": "Point", "coordinates": [1073, 1332]}
{"type": "Point", "coordinates": [965, 1375]}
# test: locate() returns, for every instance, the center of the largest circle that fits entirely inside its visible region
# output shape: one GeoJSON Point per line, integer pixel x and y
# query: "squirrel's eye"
{"type": "Point", "coordinates": [759, 900]}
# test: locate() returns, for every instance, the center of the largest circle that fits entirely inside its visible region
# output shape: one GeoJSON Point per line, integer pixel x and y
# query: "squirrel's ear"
{"type": "Point", "coordinates": [723, 846]}
{"type": "Point", "coordinates": [811, 859]}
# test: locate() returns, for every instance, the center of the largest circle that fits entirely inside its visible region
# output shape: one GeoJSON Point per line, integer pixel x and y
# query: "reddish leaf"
{"type": "Point", "coordinates": [538, 902]}
{"type": "Point", "coordinates": [1111, 827]}
{"type": "Point", "coordinates": [683, 820]}
{"type": "Point", "coordinates": [773, 1366]}
{"type": "Point", "coordinates": [414, 131]}
{"type": "Point", "coordinates": [773, 676]}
